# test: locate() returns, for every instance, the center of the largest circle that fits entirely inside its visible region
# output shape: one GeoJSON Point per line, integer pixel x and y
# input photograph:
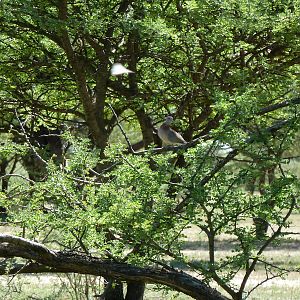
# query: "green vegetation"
{"type": "Point", "coordinates": [86, 187]}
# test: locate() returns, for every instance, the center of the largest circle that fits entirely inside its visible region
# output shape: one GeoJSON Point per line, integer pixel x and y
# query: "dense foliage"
{"type": "Point", "coordinates": [79, 163]}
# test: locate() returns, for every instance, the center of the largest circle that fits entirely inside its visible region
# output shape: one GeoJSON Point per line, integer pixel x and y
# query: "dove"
{"type": "Point", "coordinates": [168, 135]}
{"type": "Point", "coordinates": [119, 69]}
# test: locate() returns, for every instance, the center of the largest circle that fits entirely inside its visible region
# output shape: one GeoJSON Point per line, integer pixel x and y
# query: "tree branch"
{"type": "Point", "coordinates": [279, 105]}
{"type": "Point", "coordinates": [47, 260]}
{"type": "Point", "coordinates": [230, 156]}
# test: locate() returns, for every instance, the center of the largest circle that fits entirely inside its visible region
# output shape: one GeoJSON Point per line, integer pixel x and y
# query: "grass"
{"type": "Point", "coordinates": [284, 255]}
{"type": "Point", "coordinates": [287, 289]}
{"type": "Point", "coordinates": [49, 287]}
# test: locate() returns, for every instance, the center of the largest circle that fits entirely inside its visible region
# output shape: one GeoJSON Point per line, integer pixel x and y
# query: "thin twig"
{"type": "Point", "coordinates": [28, 140]}
{"type": "Point", "coordinates": [19, 271]}
{"type": "Point", "coordinates": [17, 175]}
{"type": "Point", "coordinates": [122, 130]}
{"type": "Point", "coordinates": [85, 181]}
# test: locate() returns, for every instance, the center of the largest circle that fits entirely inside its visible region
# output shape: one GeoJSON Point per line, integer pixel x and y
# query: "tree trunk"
{"type": "Point", "coordinates": [50, 144]}
{"type": "Point", "coordinates": [113, 291]}
{"type": "Point", "coordinates": [261, 227]}
{"type": "Point", "coordinates": [4, 186]}
{"type": "Point", "coordinates": [146, 127]}
{"type": "Point", "coordinates": [135, 290]}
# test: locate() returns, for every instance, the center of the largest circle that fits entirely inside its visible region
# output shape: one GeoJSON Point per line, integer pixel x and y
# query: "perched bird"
{"type": "Point", "coordinates": [168, 135]}
{"type": "Point", "coordinates": [118, 69]}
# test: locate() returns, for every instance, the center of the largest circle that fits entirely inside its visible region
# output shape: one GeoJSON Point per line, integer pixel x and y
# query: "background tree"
{"type": "Point", "coordinates": [227, 72]}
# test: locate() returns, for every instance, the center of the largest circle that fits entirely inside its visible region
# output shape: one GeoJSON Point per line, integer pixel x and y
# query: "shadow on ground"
{"type": "Point", "coordinates": [231, 244]}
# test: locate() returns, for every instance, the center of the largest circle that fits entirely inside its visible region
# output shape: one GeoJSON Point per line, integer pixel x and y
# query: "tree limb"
{"type": "Point", "coordinates": [53, 261]}
{"type": "Point", "coordinates": [279, 105]}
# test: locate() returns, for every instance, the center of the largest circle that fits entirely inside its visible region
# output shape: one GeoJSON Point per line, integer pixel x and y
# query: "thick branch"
{"type": "Point", "coordinates": [47, 260]}
{"type": "Point", "coordinates": [92, 113]}
{"type": "Point", "coordinates": [279, 105]}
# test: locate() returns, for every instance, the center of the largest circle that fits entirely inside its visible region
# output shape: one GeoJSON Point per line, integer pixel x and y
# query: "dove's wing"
{"type": "Point", "coordinates": [118, 69]}
{"type": "Point", "coordinates": [170, 136]}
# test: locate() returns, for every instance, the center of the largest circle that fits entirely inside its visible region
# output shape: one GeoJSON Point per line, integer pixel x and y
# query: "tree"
{"type": "Point", "coordinates": [226, 71]}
